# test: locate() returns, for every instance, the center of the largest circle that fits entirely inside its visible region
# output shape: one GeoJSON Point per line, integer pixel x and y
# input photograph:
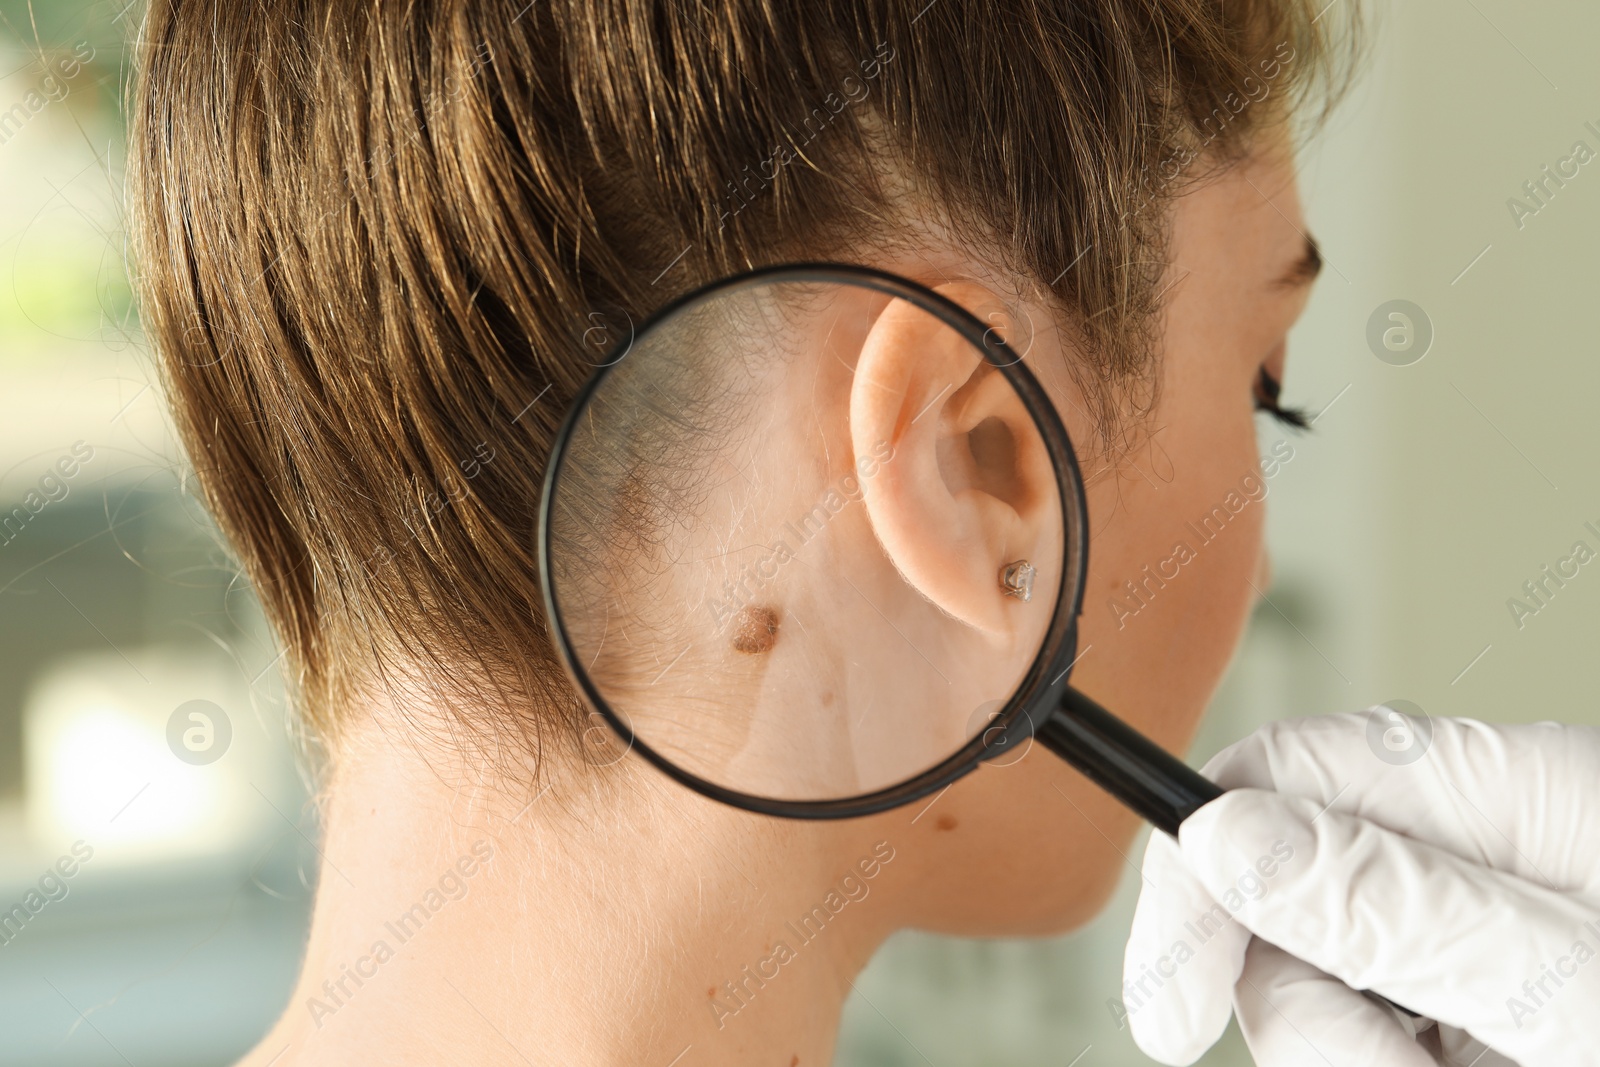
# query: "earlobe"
{"type": "Point", "coordinates": [968, 487]}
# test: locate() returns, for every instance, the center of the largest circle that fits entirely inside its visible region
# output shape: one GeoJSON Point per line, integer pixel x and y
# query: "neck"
{"type": "Point", "coordinates": [614, 917]}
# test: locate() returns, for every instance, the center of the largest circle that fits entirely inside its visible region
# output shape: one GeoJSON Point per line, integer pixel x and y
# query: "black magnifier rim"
{"type": "Point", "coordinates": [1045, 681]}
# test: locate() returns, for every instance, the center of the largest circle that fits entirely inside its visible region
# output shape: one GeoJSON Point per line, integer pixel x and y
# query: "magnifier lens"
{"type": "Point", "coordinates": [805, 538]}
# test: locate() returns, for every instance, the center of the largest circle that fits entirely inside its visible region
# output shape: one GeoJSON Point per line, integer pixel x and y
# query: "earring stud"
{"type": "Point", "coordinates": [1016, 580]}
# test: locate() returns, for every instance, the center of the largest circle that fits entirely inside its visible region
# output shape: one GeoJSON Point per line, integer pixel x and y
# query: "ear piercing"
{"type": "Point", "coordinates": [1016, 580]}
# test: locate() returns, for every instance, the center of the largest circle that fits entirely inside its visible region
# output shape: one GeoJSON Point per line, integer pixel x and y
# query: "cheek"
{"type": "Point", "coordinates": [1175, 549]}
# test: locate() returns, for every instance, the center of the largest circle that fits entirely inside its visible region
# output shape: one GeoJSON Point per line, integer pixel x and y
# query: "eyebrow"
{"type": "Point", "coordinates": [1303, 271]}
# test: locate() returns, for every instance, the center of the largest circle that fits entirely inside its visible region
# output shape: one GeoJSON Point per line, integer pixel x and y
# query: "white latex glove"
{"type": "Point", "coordinates": [1464, 885]}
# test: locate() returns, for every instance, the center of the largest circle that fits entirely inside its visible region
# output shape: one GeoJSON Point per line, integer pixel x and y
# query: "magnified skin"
{"type": "Point", "coordinates": [755, 630]}
{"type": "Point", "coordinates": [874, 519]}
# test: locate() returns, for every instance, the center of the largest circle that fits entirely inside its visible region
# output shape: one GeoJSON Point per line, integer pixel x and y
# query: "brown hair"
{"type": "Point", "coordinates": [378, 243]}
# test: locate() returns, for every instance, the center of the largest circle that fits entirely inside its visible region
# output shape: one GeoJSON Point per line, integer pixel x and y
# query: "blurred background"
{"type": "Point", "coordinates": [145, 745]}
{"type": "Point", "coordinates": [143, 738]}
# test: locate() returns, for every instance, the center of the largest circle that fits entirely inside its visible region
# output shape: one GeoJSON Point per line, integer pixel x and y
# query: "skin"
{"type": "Point", "coordinates": [616, 904]}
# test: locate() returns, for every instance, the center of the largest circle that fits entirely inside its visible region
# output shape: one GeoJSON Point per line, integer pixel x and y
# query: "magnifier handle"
{"type": "Point", "coordinates": [1157, 785]}
{"type": "Point", "coordinates": [1140, 773]}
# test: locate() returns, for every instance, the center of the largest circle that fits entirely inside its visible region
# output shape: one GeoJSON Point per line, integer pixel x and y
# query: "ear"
{"type": "Point", "coordinates": [967, 486]}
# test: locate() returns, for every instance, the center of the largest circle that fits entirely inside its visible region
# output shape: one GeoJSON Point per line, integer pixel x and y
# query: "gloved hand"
{"type": "Point", "coordinates": [1463, 884]}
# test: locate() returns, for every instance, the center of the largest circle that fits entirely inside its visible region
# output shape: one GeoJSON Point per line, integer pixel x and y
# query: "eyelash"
{"type": "Point", "coordinates": [1266, 397]}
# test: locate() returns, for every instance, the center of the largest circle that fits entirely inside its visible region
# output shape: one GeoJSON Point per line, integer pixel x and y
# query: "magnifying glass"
{"type": "Point", "coordinates": [813, 542]}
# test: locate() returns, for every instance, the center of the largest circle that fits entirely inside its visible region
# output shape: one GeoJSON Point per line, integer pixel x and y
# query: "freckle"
{"type": "Point", "coordinates": [795, 1062]}
{"type": "Point", "coordinates": [945, 822]}
{"type": "Point", "coordinates": [711, 991]}
{"type": "Point", "coordinates": [755, 629]}
{"type": "Point", "coordinates": [827, 700]}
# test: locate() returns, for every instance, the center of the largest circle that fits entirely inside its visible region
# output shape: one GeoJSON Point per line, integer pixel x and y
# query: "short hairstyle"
{"type": "Point", "coordinates": [377, 245]}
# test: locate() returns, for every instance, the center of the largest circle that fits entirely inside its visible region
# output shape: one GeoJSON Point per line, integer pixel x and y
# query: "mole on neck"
{"type": "Point", "coordinates": [755, 630]}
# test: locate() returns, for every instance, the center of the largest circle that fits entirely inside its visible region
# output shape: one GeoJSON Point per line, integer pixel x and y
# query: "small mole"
{"type": "Point", "coordinates": [711, 991]}
{"type": "Point", "coordinates": [795, 1062]}
{"type": "Point", "coordinates": [945, 822]}
{"type": "Point", "coordinates": [755, 629]}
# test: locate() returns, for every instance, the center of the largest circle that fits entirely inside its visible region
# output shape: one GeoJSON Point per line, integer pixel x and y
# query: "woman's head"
{"type": "Point", "coordinates": [381, 248]}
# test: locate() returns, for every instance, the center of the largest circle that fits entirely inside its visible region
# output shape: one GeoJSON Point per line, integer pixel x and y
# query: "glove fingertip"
{"type": "Point", "coordinates": [1174, 1043]}
{"type": "Point", "coordinates": [1178, 999]}
{"type": "Point", "coordinates": [1245, 830]}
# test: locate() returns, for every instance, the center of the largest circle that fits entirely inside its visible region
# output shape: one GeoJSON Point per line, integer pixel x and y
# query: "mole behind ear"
{"type": "Point", "coordinates": [755, 630]}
